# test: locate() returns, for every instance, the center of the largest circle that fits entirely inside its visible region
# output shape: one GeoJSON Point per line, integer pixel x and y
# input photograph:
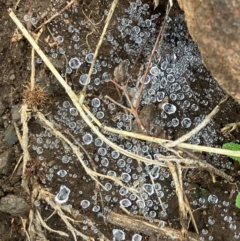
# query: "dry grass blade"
{"type": "Point", "coordinates": [200, 126]}
{"type": "Point", "coordinates": [26, 156]}
{"type": "Point", "coordinates": [40, 220]}
{"type": "Point", "coordinates": [24, 222]}
{"type": "Point", "coordinates": [229, 128]}
{"type": "Point", "coordinates": [33, 62]}
{"type": "Point", "coordinates": [176, 172]}
{"type": "Point", "coordinates": [48, 197]}
{"type": "Point", "coordinates": [77, 216]}
{"type": "Point", "coordinates": [140, 226]}
{"type": "Point", "coordinates": [75, 149]}
{"type": "Point", "coordinates": [55, 15]}
{"type": "Point", "coordinates": [110, 13]}
{"type": "Point", "coordinates": [197, 164]}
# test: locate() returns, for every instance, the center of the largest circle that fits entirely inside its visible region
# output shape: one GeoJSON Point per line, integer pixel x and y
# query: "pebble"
{"type": "Point", "coordinates": [14, 205]}
{"type": "Point", "coordinates": [5, 162]}
{"type": "Point", "coordinates": [15, 112]}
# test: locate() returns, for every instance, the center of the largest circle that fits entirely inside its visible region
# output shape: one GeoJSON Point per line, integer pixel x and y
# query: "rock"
{"type": "Point", "coordinates": [5, 162]}
{"type": "Point", "coordinates": [16, 112]}
{"type": "Point", "coordinates": [12, 77]}
{"type": "Point", "coordinates": [7, 188]}
{"type": "Point", "coordinates": [215, 27]}
{"type": "Point", "coordinates": [14, 205]}
{"type": "Point", "coordinates": [10, 136]}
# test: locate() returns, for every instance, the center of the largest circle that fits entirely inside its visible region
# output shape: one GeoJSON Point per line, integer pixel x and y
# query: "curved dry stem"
{"type": "Point", "coordinates": [39, 218]}
{"type": "Point", "coordinates": [91, 173]}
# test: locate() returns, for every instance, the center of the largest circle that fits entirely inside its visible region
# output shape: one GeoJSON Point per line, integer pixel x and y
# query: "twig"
{"type": "Point", "coordinates": [16, 166]}
{"type": "Point", "coordinates": [24, 222]}
{"type": "Point", "coordinates": [39, 217]}
{"type": "Point", "coordinates": [116, 103]}
{"type": "Point", "coordinates": [229, 128]}
{"type": "Point", "coordinates": [132, 109]}
{"type": "Point", "coordinates": [196, 163]}
{"type": "Point", "coordinates": [48, 197]}
{"type": "Point", "coordinates": [177, 178]}
{"type": "Point", "coordinates": [150, 59]}
{"type": "Point", "coordinates": [76, 215]}
{"type": "Point", "coordinates": [140, 226]}
{"type": "Point", "coordinates": [55, 15]}
{"type": "Point", "coordinates": [200, 126]}
{"type": "Point", "coordinates": [191, 214]}
{"type": "Point", "coordinates": [26, 156]}
{"type": "Point", "coordinates": [75, 149]}
{"type": "Point", "coordinates": [16, 5]}
{"type": "Point", "coordinates": [33, 62]}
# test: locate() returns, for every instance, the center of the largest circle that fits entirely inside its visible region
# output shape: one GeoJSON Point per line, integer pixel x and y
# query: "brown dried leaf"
{"type": "Point", "coordinates": [121, 72]}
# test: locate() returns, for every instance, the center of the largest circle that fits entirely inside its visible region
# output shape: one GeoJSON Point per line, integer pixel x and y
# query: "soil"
{"type": "Point", "coordinates": [175, 100]}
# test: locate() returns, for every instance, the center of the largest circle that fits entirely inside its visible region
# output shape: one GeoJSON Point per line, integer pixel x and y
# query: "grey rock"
{"type": "Point", "coordinates": [5, 162]}
{"type": "Point", "coordinates": [10, 136]}
{"type": "Point", "coordinates": [14, 205]}
{"type": "Point", "coordinates": [15, 112]}
{"type": "Point", "coordinates": [7, 188]}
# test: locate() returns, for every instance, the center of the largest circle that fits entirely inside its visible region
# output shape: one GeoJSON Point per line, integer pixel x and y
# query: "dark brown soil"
{"type": "Point", "coordinates": [194, 93]}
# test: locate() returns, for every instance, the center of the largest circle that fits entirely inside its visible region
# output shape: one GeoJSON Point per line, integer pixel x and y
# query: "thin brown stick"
{"type": "Point", "coordinates": [132, 109]}
{"type": "Point", "coordinates": [24, 222]}
{"type": "Point", "coordinates": [150, 59]}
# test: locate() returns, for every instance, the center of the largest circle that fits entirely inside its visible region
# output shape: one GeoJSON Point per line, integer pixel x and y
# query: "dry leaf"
{"type": "Point", "coordinates": [121, 72]}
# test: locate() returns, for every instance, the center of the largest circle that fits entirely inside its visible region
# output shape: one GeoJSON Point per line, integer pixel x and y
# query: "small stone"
{"type": "Point", "coordinates": [14, 205]}
{"type": "Point", "coordinates": [7, 188]}
{"type": "Point", "coordinates": [5, 162]}
{"type": "Point", "coordinates": [15, 113]}
{"type": "Point", "coordinates": [12, 77]}
{"type": "Point", "coordinates": [10, 136]}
